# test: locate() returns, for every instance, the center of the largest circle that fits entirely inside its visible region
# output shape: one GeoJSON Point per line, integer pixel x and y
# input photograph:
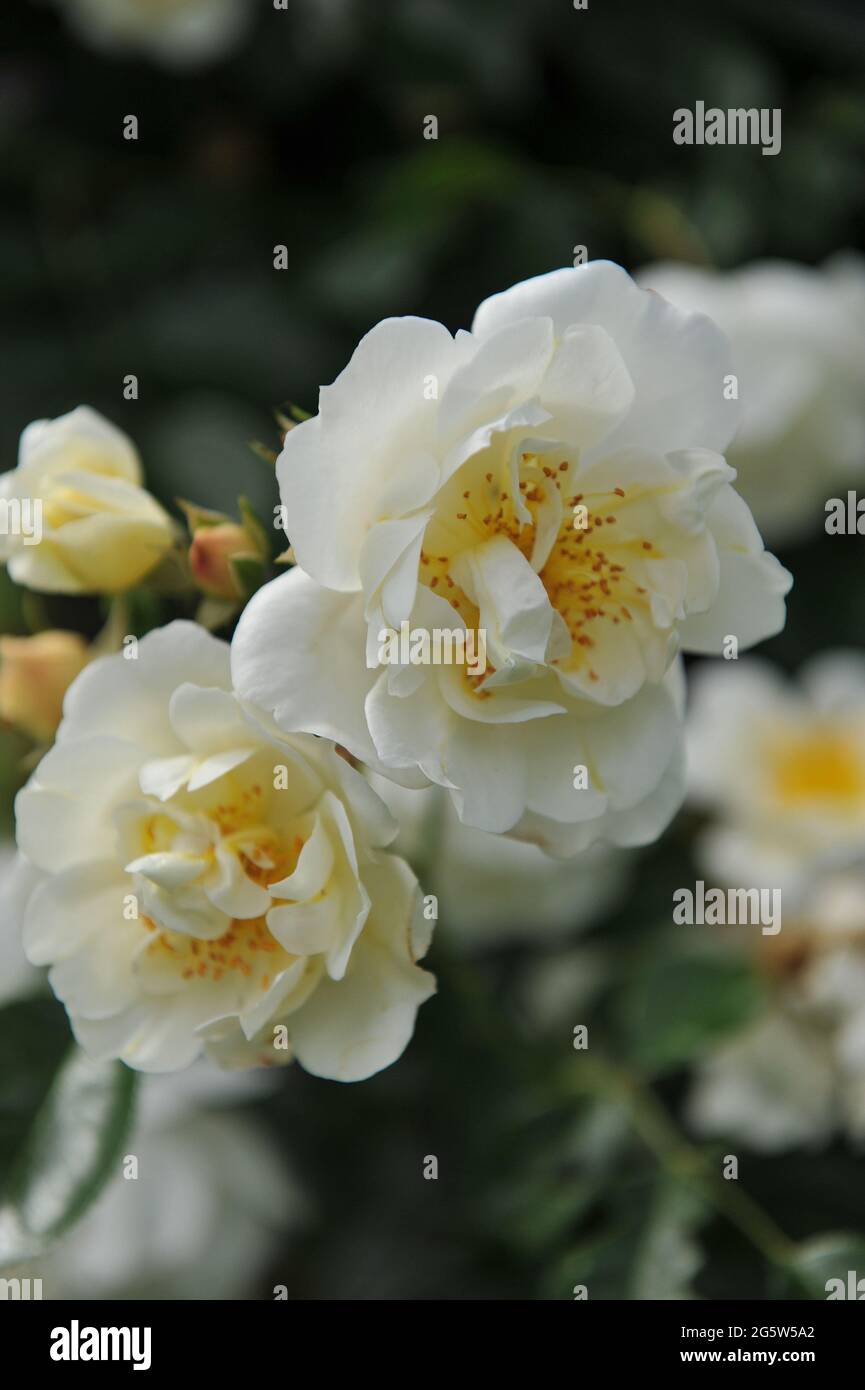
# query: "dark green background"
{"type": "Point", "coordinates": [155, 258]}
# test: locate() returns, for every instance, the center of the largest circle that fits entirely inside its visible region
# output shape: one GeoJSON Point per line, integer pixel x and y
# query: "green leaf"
{"type": "Point", "coordinates": [35, 612]}
{"type": "Point", "coordinates": [34, 1039]}
{"type": "Point", "coordinates": [169, 578]}
{"type": "Point", "coordinates": [66, 1154]}
{"type": "Point", "coordinates": [249, 573]}
{"type": "Point", "coordinates": [254, 527]}
{"type": "Point", "coordinates": [198, 518]}
{"type": "Point", "coordinates": [15, 749]}
{"type": "Point", "coordinates": [536, 1211]}
{"type": "Point", "coordinates": [263, 451]}
{"type": "Point", "coordinates": [674, 1009]}
{"type": "Point", "coordinates": [12, 605]}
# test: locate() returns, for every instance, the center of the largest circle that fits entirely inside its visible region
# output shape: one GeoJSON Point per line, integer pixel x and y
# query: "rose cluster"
{"type": "Point", "coordinates": [207, 864]}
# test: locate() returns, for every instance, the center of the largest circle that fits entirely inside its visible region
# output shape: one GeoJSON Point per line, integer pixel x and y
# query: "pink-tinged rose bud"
{"type": "Point", "coordinates": [35, 673]}
{"type": "Point", "coordinates": [212, 548]}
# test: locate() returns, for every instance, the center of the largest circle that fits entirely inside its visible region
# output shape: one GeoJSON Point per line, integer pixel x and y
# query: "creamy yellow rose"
{"type": "Point", "coordinates": [74, 517]}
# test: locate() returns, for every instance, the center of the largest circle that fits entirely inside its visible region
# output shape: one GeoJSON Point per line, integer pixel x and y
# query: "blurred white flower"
{"type": "Point", "coordinates": [175, 32]}
{"type": "Point", "coordinates": [798, 340]}
{"type": "Point", "coordinates": [770, 1087]}
{"type": "Point", "coordinates": [781, 767]}
{"type": "Point", "coordinates": [100, 530]}
{"type": "Point", "coordinates": [208, 884]}
{"type": "Point", "coordinates": [555, 479]}
{"type": "Point", "coordinates": [493, 890]}
{"type": "Point", "coordinates": [211, 1200]}
{"type": "Point", "coordinates": [797, 1075]}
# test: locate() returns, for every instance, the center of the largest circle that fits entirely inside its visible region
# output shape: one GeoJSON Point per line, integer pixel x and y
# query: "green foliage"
{"type": "Point", "coordinates": [647, 1249]}
{"type": "Point", "coordinates": [675, 1007]}
{"type": "Point", "coordinates": [555, 129]}
{"type": "Point", "coordinates": [830, 1256]}
{"type": "Point", "coordinates": [63, 1120]}
{"type": "Point", "coordinates": [254, 527]}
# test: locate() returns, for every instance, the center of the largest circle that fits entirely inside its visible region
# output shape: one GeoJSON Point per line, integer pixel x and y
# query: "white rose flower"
{"type": "Point", "coordinates": [202, 1217]}
{"type": "Point", "coordinates": [798, 340]}
{"type": "Point", "coordinates": [78, 481]}
{"type": "Point", "coordinates": [493, 890]}
{"type": "Point", "coordinates": [438, 486]}
{"type": "Point", "coordinates": [782, 768]}
{"type": "Point", "coordinates": [797, 1075]}
{"type": "Point", "coordinates": [206, 881]}
{"type": "Point", "coordinates": [175, 32]}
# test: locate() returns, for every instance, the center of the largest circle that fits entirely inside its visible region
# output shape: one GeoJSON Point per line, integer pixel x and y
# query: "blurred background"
{"type": "Point", "coordinates": [304, 127]}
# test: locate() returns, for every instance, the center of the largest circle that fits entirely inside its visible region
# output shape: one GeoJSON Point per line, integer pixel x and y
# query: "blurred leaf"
{"type": "Point", "coordinates": [441, 178]}
{"type": "Point", "coordinates": [263, 452]}
{"type": "Point", "coordinates": [599, 1134]}
{"type": "Point", "coordinates": [198, 518]}
{"type": "Point", "coordinates": [831, 1256]}
{"type": "Point", "coordinates": [34, 1038]}
{"type": "Point", "coordinates": [249, 573]}
{"type": "Point", "coordinates": [645, 1250]}
{"type": "Point", "coordinates": [668, 1256]}
{"type": "Point", "coordinates": [12, 615]}
{"type": "Point", "coordinates": [169, 579]}
{"type": "Point", "coordinates": [34, 611]}
{"type": "Point", "coordinates": [662, 228]}
{"type": "Point", "coordinates": [364, 272]}
{"type": "Point", "coordinates": [538, 1210]}
{"type": "Point", "coordinates": [132, 614]}
{"type": "Point", "coordinates": [67, 1150]}
{"type": "Point", "coordinates": [558, 1177]}
{"type": "Point", "coordinates": [254, 527]}
{"type": "Point", "coordinates": [214, 613]}
{"type": "Point", "coordinates": [674, 1009]}
{"type": "Point", "coordinates": [16, 751]}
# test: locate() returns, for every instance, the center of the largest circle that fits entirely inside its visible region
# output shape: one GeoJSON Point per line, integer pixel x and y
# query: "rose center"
{"type": "Point", "coordinates": [821, 765]}
{"type": "Point", "coordinates": [589, 567]}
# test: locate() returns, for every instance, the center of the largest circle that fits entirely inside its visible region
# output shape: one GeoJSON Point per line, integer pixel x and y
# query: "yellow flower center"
{"type": "Point", "coordinates": [247, 950]}
{"type": "Point", "coordinates": [586, 574]}
{"type": "Point", "coordinates": [245, 818]}
{"type": "Point", "coordinates": [821, 764]}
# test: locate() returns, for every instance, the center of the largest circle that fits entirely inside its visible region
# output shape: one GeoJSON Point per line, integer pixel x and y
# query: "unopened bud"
{"type": "Point", "coordinates": [35, 673]}
{"type": "Point", "coordinates": [209, 555]}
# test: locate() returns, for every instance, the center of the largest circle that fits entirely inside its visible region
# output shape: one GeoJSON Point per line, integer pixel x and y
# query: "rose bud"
{"type": "Point", "coordinates": [212, 549]}
{"type": "Point", "coordinates": [35, 673]}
